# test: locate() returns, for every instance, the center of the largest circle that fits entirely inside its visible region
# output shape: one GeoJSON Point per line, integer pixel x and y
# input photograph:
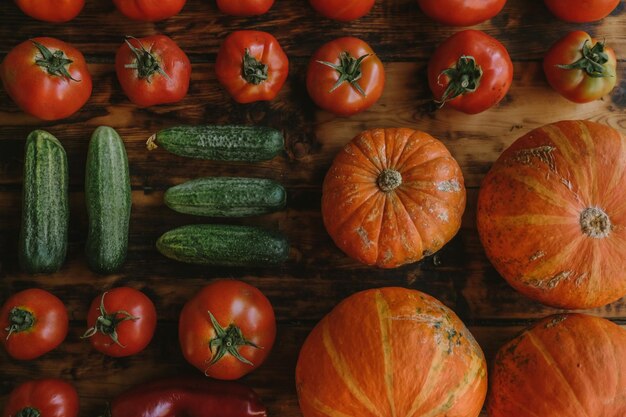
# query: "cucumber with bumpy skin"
{"type": "Point", "coordinates": [108, 198]}
{"type": "Point", "coordinates": [227, 197]}
{"type": "Point", "coordinates": [220, 143]}
{"type": "Point", "coordinates": [45, 204]}
{"type": "Point", "coordinates": [224, 245]}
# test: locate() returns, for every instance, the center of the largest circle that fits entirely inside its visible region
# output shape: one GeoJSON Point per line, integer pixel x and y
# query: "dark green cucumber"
{"type": "Point", "coordinates": [107, 194]}
{"type": "Point", "coordinates": [225, 245]}
{"type": "Point", "coordinates": [221, 143]}
{"type": "Point", "coordinates": [227, 197]}
{"type": "Point", "coordinates": [45, 205]}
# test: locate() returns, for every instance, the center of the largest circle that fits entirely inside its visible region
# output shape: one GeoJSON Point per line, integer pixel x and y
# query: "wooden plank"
{"type": "Point", "coordinates": [317, 275]}
{"type": "Point", "coordinates": [98, 378]}
{"type": "Point", "coordinates": [398, 29]}
{"type": "Point", "coordinates": [313, 137]}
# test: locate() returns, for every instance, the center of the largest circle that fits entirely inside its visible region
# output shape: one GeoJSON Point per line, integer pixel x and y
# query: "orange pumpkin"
{"type": "Point", "coordinates": [564, 366]}
{"type": "Point", "coordinates": [393, 196]}
{"type": "Point", "coordinates": [552, 215]}
{"type": "Point", "coordinates": [391, 352]}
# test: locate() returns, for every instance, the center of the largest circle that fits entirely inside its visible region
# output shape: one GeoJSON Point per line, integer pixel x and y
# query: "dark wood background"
{"type": "Point", "coordinates": [317, 275]}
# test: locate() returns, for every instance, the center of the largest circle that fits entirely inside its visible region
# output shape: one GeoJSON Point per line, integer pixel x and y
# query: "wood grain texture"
{"type": "Point", "coordinates": [317, 275]}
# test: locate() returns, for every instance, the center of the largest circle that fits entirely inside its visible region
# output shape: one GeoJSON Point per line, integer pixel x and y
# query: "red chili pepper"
{"type": "Point", "coordinates": [188, 397]}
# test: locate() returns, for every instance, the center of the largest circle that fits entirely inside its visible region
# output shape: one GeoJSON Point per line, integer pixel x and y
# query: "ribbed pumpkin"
{"type": "Point", "coordinates": [393, 196]}
{"type": "Point", "coordinates": [564, 366]}
{"type": "Point", "coordinates": [391, 352]}
{"type": "Point", "coordinates": [552, 214]}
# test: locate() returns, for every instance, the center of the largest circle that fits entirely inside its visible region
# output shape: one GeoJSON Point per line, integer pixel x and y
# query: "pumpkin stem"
{"type": "Point", "coordinates": [389, 180]}
{"type": "Point", "coordinates": [595, 223]}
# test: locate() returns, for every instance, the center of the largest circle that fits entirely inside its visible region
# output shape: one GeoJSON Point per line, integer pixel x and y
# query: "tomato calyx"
{"type": "Point", "coordinates": [593, 61]}
{"type": "Point", "coordinates": [349, 69]}
{"type": "Point", "coordinates": [28, 412]}
{"type": "Point", "coordinates": [146, 63]}
{"type": "Point", "coordinates": [463, 78]}
{"type": "Point", "coordinates": [253, 70]}
{"type": "Point", "coordinates": [107, 323]}
{"type": "Point", "coordinates": [55, 63]}
{"type": "Point", "coordinates": [20, 320]}
{"type": "Point", "coordinates": [228, 340]}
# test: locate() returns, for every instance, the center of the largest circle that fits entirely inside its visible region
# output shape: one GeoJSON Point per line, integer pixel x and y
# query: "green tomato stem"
{"type": "Point", "coordinates": [20, 320]}
{"type": "Point", "coordinates": [55, 63]}
{"type": "Point", "coordinates": [463, 78]}
{"type": "Point", "coordinates": [228, 341]}
{"type": "Point", "coordinates": [252, 70]}
{"type": "Point", "coordinates": [593, 61]}
{"type": "Point", "coordinates": [349, 69]}
{"type": "Point", "coordinates": [107, 323]}
{"type": "Point", "coordinates": [146, 63]}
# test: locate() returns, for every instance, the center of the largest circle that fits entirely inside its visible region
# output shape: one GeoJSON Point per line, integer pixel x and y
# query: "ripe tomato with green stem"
{"type": "Point", "coordinates": [46, 78]}
{"type": "Point", "coordinates": [152, 70]}
{"type": "Point", "coordinates": [53, 11]}
{"type": "Point", "coordinates": [251, 66]}
{"type": "Point", "coordinates": [343, 10]}
{"type": "Point", "coordinates": [227, 330]}
{"type": "Point", "coordinates": [581, 11]}
{"type": "Point", "coordinates": [121, 322]}
{"type": "Point", "coordinates": [149, 10]}
{"type": "Point", "coordinates": [470, 71]}
{"type": "Point", "coordinates": [461, 12]}
{"type": "Point", "coordinates": [42, 398]}
{"type": "Point", "coordinates": [581, 68]}
{"type": "Point", "coordinates": [245, 7]}
{"type": "Point", "coordinates": [345, 76]}
{"type": "Point", "coordinates": [32, 322]}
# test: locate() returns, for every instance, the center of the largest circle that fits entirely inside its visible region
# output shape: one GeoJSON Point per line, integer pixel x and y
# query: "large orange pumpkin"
{"type": "Point", "coordinates": [552, 214]}
{"type": "Point", "coordinates": [391, 352]}
{"type": "Point", "coordinates": [393, 196]}
{"type": "Point", "coordinates": [568, 365]}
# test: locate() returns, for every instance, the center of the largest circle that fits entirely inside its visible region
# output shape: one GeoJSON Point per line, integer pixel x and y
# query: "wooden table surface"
{"type": "Point", "coordinates": [318, 275]}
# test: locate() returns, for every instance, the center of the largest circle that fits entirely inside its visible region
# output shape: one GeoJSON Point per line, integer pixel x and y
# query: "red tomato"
{"type": "Point", "coordinates": [245, 7]}
{"type": "Point", "coordinates": [227, 330]}
{"type": "Point", "coordinates": [343, 10]}
{"type": "Point", "coordinates": [44, 397]}
{"type": "Point", "coordinates": [581, 68]}
{"type": "Point", "coordinates": [471, 71]}
{"type": "Point", "coordinates": [32, 323]}
{"type": "Point", "coordinates": [153, 70]}
{"type": "Point", "coordinates": [461, 12]}
{"type": "Point", "coordinates": [54, 11]}
{"type": "Point", "coordinates": [581, 11]}
{"type": "Point", "coordinates": [252, 66]}
{"type": "Point", "coordinates": [121, 322]}
{"type": "Point", "coordinates": [47, 78]}
{"type": "Point", "coordinates": [345, 76]}
{"type": "Point", "coordinates": [149, 10]}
